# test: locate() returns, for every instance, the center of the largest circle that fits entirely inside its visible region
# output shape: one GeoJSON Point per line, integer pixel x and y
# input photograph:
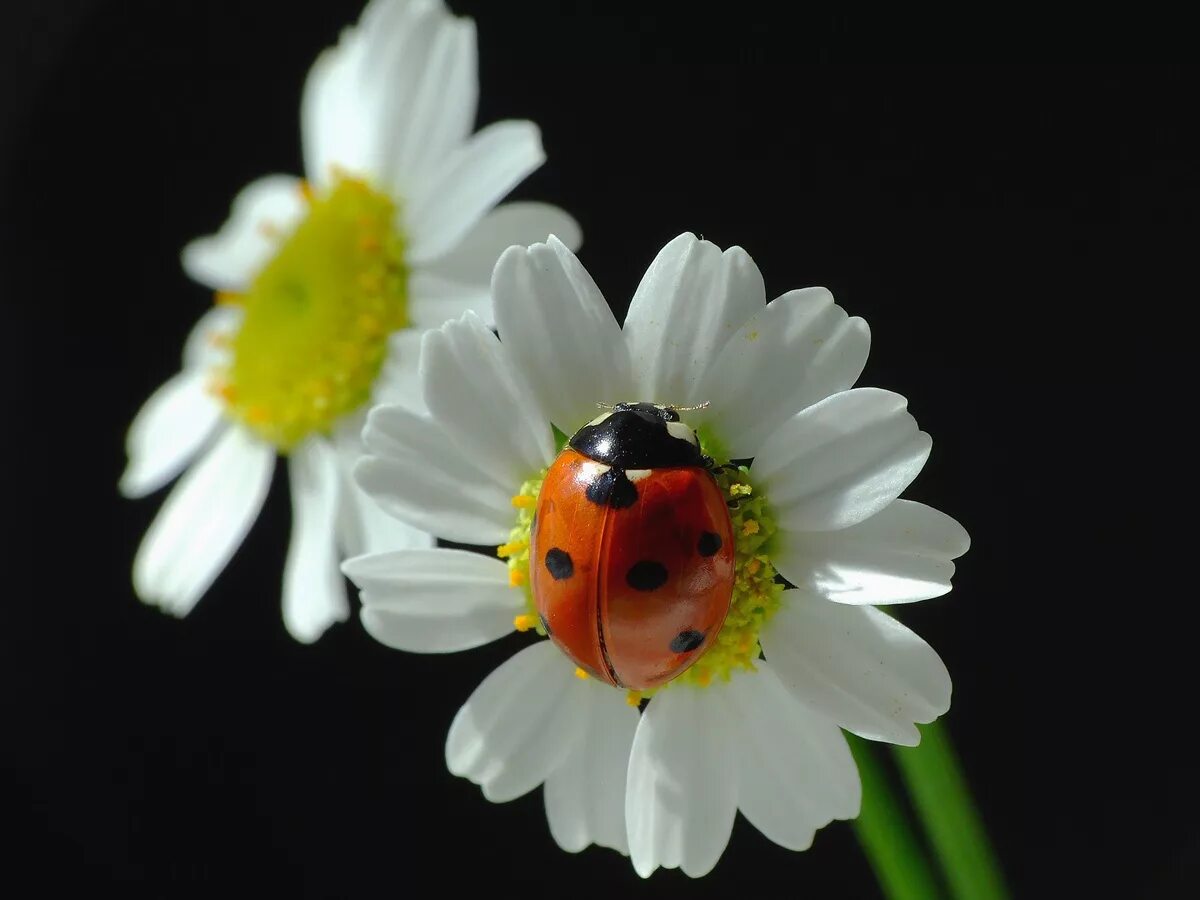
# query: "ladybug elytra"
{"type": "Point", "coordinates": [632, 549]}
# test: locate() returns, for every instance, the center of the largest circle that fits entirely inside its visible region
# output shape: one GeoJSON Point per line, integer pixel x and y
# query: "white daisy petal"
{"type": "Point", "coordinates": [399, 379]}
{"type": "Point", "coordinates": [360, 93]}
{"type": "Point", "coordinates": [169, 429]}
{"type": "Point", "coordinates": [471, 179]}
{"type": "Point", "coordinates": [314, 591]}
{"type": "Point", "coordinates": [857, 666]}
{"type": "Point", "coordinates": [414, 471]}
{"type": "Point", "coordinates": [203, 347]}
{"type": "Point", "coordinates": [680, 800]}
{"type": "Point", "coordinates": [690, 302]}
{"type": "Point", "coordinates": [795, 351]}
{"type": "Point", "coordinates": [203, 521]}
{"type": "Point", "coordinates": [435, 601]}
{"type": "Point", "coordinates": [841, 460]}
{"type": "Point", "coordinates": [363, 526]}
{"type": "Point", "coordinates": [556, 322]}
{"type": "Point", "coordinates": [585, 796]}
{"type": "Point", "coordinates": [795, 773]}
{"type": "Point", "coordinates": [263, 214]}
{"type": "Point", "coordinates": [441, 111]}
{"type": "Point", "coordinates": [434, 299]}
{"type": "Point", "coordinates": [472, 259]}
{"type": "Point", "coordinates": [476, 393]}
{"type": "Point", "coordinates": [518, 726]}
{"type": "Point", "coordinates": [331, 124]}
{"type": "Point", "coordinates": [901, 554]}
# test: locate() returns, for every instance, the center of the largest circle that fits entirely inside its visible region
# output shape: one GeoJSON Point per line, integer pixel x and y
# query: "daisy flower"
{"type": "Point", "coordinates": [812, 470]}
{"type": "Point", "coordinates": [323, 287]}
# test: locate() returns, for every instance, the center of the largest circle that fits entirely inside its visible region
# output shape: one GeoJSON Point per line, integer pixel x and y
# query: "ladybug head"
{"type": "Point", "coordinates": [651, 411]}
{"type": "Point", "coordinates": [639, 436]}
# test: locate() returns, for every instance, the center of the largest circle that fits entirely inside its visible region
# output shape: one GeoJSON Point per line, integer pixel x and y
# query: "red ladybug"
{"type": "Point", "coordinates": [631, 549]}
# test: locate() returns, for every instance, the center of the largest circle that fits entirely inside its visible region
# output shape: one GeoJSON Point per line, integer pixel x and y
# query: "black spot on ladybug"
{"type": "Point", "coordinates": [646, 575]}
{"type": "Point", "coordinates": [545, 624]}
{"type": "Point", "coordinates": [687, 641]}
{"type": "Point", "coordinates": [710, 543]}
{"type": "Point", "coordinates": [613, 488]}
{"type": "Point", "coordinates": [558, 564]}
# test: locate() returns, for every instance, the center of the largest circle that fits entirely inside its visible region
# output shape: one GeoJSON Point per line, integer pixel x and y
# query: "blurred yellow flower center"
{"type": "Point", "coordinates": [317, 318]}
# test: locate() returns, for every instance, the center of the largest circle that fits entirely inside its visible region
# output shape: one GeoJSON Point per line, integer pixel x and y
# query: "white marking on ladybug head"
{"type": "Point", "coordinates": [600, 418]}
{"type": "Point", "coordinates": [636, 475]}
{"type": "Point", "coordinates": [682, 432]}
{"type": "Point", "coordinates": [593, 470]}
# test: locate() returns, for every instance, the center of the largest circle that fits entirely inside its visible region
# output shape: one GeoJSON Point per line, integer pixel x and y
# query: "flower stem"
{"type": "Point", "coordinates": [942, 801]}
{"type": "Point", "coordinates": [892, 848]}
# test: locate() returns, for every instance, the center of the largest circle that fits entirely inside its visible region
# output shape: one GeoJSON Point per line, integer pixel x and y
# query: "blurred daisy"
{"type": "Point", "coordinates": [323, 286]}
{"type": "Point", "coordinates": [754, 724]}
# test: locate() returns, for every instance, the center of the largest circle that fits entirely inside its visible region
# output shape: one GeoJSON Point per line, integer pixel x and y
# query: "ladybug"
{"type": "Point", "coordinates": [631, 548]}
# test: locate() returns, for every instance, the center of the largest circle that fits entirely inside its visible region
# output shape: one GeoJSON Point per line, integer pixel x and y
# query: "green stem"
{"type": "Point", "coordinates": [943, 803]}
{"type": "Point", "coordinates": [887, 837]}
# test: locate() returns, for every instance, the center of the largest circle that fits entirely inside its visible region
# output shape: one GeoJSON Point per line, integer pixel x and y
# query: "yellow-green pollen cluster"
{"type": "Point", "coordinates": [756, 594]}
{"type": "Point", "coordinates": [317, 318]}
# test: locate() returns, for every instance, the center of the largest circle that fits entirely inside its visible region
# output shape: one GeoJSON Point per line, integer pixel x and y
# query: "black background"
{"type": "Point", "coordinates": [1016, 237]}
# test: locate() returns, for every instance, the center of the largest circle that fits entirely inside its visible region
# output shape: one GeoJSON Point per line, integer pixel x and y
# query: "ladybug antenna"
{"type": "Point", "coordinates": [703, 405]}
{"type": "Point", "coordinates": [602, 405]}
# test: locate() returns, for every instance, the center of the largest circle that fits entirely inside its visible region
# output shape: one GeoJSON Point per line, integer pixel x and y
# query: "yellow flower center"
{"type": "Point", "coordinates": [756, 593]}
{"type": "Point", "coordinates": [317, 318]}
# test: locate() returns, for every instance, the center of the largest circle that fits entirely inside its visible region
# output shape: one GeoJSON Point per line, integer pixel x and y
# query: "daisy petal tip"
{"type": "Point", "coordinates": [800, 846]}
{"type": "Point", "coordinates": [366, 472]}
{"type": "Point", "coordinates": [455, 767]}
{"type": "Point", "coordinates": [643, 866]}
{"type": "Point", "coordinates": [958, 540]}
{"type": "Point", "coordinates": [375, 413]}
{"type": "Point", "coordinates": [699, 871]}
{"type": "Point", "coordinates": [547, 255]}
{"type": "Point", "coordinates": [509, 264]}
{"type": "Point", "coordinates": [533, 133]}
{"type": "Point", "coordinates": [142, 592]}
{"type": "Point", "coordinates": [305, 632]}
{"type": "Point", "coordinates": [464, 25]}
{"type": "Point", "coordinates": [685, 238]}
{"type": "Point", "coordinates": [196, 259]}
{"type": "Point", "coordinates": [501, 794]}
{"type": "Point", "coordinates": [569, 845]}
{"type": "Point", "coordinates": [568, 238]}
{"type": "Point", "coordinates": [737, 255]}
{"type": "Point", "coordinates": [942, 704]}
{"type": "Point", "coordinates": [130, 485]}
{"type": "Point", "coordinates": [380, 425]}
{"type": "Point", "coordinates": [354, 566]}
{"type": "Point", "coordinates": [377, 627]}
{"type": "Point", "coordinates": [524, 133]}
{"type": "Point", "coordinates": [144, 587]}
{"type": "Point", "coordinates": [188, 257]}
{"type": "Point", "coordinates": [176, 605]}
{"type": "Point", "coordinates": [543, 254]}
{"type": "Point", "coordinates": [469, 319]}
